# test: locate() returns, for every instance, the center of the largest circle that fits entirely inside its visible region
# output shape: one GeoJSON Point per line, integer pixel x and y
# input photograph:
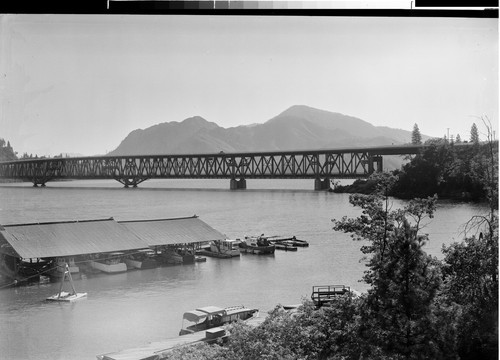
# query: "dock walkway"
{"type": "Point", "coordinates": [158, 350]}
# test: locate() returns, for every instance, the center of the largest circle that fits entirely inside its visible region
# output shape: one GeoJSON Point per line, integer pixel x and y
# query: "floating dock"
{"type": "Point", "coordinates": [285, 247]}
{"type": "Point", "coordinates": [323, 294]}
{"type": "Point", "coordinates": [288, 240]}
{"type": "Point", "coordinates": [64, 295]}
{"type": "Point", "coordinates": [158, 350]}
{"type": "Point", "coordinates": [67, 297]}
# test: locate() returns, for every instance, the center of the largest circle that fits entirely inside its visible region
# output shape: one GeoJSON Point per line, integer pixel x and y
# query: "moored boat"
{"type": "Point", "coordinates": [110, 263]}
{"type": "Point", "coordinates": [20, 271]}
{"type": "Point", "coordinates": [141, 259]}
{"type": "Point", "coordinates": [213, 316]}
{"type": "Point", "coordinates": [257, 245]}
{"type": "Point", "coordinates": [222, 248]}
{"type": "Point", "coordinates": [171, 257]}
{"type": "Point", "coordinates": [188, 255]}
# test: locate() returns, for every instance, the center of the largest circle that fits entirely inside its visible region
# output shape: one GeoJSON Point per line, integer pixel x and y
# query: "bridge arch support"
{"type": "Point", "coordinates": [133, 181]}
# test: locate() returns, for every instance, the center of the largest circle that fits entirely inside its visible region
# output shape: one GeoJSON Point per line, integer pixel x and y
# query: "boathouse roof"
{"type": "Point", "coordinates": [174, 231]}
{"type": "Point", "coordinates": [58, 239]}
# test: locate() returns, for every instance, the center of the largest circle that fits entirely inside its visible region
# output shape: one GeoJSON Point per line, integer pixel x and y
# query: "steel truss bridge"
{"type": "Point", "coordinates": [320, 165]}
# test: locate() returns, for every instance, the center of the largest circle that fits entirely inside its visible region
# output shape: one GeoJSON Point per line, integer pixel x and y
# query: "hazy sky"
{"type": "Point", "coordinates": [81, 83]}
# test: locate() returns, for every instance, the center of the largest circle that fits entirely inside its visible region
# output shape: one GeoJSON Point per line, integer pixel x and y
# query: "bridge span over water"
{"type": "Point", "coordinates": [131, 170]}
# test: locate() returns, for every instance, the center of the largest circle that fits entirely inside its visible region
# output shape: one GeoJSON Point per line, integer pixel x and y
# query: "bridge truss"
{"type": "Point", "coordinates": [132, 170]}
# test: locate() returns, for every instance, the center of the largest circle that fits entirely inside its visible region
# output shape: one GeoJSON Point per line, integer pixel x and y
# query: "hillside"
{"type": "Point", "coordinates": [297, 128]}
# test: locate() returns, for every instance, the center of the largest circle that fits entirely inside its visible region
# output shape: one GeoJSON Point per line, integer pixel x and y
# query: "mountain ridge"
{"type": "Point", "coordinates": [299, 127]}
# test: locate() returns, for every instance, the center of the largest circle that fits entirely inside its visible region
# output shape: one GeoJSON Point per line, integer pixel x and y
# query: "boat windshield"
{"type": "Point", "coordinates": [195, 316]}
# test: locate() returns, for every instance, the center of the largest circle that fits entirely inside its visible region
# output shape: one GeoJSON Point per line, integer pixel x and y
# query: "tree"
{"type": "Point", "coordinates": [424, 175]}
{"type": "Point", "coordinates": [470, 275]}
{"type": "Point", "coordinates": [416, 137]}
{"type": "Point", "coordinates": [397, 311]}
{"type": "Point", "coordinates": [458, 139]}
{"type": "Point", "coordinates": [471, 267]}
{"type": "Point", "coordinates": [474, 134]}
{"type": "Point", "coordinates": [6, 151]}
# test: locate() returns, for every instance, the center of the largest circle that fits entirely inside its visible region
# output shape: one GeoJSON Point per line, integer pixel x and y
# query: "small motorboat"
{"type": "Point", "coordinates": [142, 259]}
{"type": "Point", "coordinates": [257, 245]}
{"type": "Point", "coordinates": [110, 263]}
{"type": "Point", "coordinates": [213, 316]}
{"type": "Point", "coordinates": [222, 249]}
{"type": "Point", "coordinates": [170, 256]}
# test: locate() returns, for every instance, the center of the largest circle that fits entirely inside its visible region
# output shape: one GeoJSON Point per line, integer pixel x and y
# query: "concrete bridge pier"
{"type": "Point", "coordinates": [375, 164]}
{"type": "Point", "coordinates": [321, 184]}
{"type": "Point", "coordinates": [240, 184]}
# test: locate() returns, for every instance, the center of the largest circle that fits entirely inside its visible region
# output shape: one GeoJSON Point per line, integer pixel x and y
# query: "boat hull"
{"type": "Point", "coordinates": [109, 268]}
{"type": "Point", "coordinates": [257, 245]}
{"type": "Point", "coordinates": [216, 319]}
{"type": "Point", "coordinates": [258, 250]}
{"type": "Point", "coordinates": [141, 264]}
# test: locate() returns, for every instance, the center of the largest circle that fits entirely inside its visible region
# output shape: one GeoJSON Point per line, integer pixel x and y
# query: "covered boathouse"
{"type": "Point", "coordinates": [182, 236]}
{"type": "Point", "coordinates": [30, 250]}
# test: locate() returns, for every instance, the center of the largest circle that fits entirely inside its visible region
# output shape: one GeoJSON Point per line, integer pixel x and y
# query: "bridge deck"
{"type": "Point", "coordinates": [350, 163]}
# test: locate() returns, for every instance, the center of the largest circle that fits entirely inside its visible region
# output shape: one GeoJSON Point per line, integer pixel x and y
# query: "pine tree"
{"type": "Point", "coordinates": [6, 151]}
{"type": "Point", "coordinates": [416, 137]}
{"type": "Point", "coordinates": [397, 311]}
{"type": "Point", "coordinates": [474, 134]}
{"type": "Point", "coordinates": [458, 139]}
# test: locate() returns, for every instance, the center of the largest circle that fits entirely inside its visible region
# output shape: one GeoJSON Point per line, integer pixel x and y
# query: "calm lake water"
{"type": "Point", "coordinates": [137, 307]}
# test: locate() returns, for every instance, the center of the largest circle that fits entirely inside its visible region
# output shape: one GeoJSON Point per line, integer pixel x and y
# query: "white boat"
{"type": "Point", "coordinates": [142, 259]}
{"type": "Point", "coordinates": [213, 316]}
{"type": "Point", "coordinates": [110, 263]}
{"type": "Point", "coordinates": [222, 248]}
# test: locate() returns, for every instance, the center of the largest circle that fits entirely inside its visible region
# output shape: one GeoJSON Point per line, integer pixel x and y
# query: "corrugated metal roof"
{"type": "Point", "coordinates": [70, 238]}
{"type": "Point", "coordinates": [173, 231]}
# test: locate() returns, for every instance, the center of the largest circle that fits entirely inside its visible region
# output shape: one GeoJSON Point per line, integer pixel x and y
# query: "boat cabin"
{"type": "Point", "coordinates": [213, 316]}
{"type": "Point", "coordinates": [257, 241]}
{"type": "Point", "coordinates": [226, 246]}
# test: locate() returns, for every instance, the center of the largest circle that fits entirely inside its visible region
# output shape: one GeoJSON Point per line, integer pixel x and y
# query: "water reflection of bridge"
{"type": "Point", "coordinates": [320, 165]}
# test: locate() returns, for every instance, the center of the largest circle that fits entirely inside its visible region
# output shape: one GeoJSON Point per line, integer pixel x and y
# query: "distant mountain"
{"type": "Point", "coordinates": [297, 128]}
